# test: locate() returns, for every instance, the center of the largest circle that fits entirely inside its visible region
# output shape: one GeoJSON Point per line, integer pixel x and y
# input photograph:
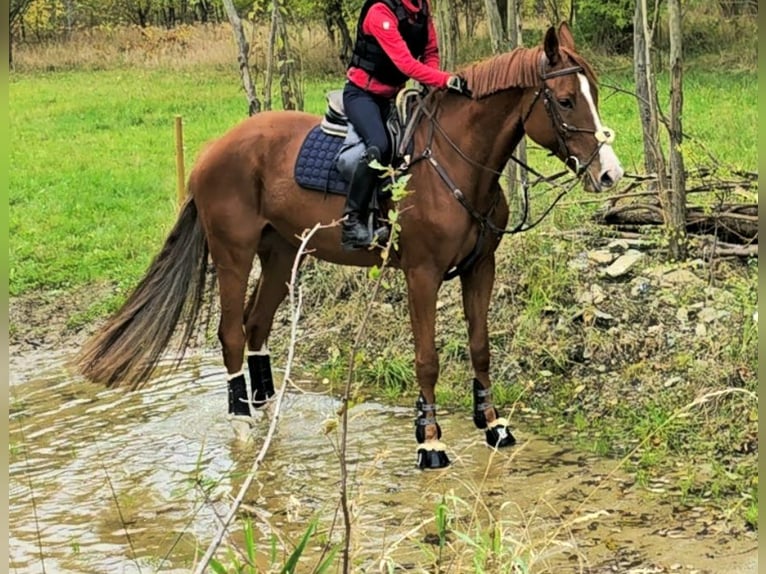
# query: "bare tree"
{"type": "Point", "coordinates": [516, 174]}
{"type": "Point", "coordinates": [253, 105]}
{"type": "Point", "coordinates": [335, 20]}
{"type": "Point", "coordinates": [448, 30]}
{"type": "Point", "coordinates": [495, 25]}
{"type": "Point", "coordinates": [672, 194]}
{"type": "Point", "coordinates": [279, 53]}
{"type": "Point", "coordinates": [654, 160]}
{"type": "Point", "coordinates": [675, 200]}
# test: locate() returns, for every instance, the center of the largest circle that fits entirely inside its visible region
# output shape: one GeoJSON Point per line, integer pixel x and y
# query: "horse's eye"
{"type": "Point", "coordinates": [566, 103]}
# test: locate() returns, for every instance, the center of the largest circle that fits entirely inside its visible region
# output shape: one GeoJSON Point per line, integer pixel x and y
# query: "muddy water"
{"type": "Point", "coordinates": [108, 481]}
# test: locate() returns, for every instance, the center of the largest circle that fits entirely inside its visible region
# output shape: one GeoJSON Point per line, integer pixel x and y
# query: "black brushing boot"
{"type": "Point", "coordinates": [497, 432]}
{"type": "Point", "coordinates": [431, 454]}
{"type": "Point", "coordinates": [261, 382]}
{"type": "Point", "coordinates": [238, 396]}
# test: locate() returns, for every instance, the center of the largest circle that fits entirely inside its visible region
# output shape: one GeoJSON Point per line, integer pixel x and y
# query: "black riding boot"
{"type": "Point", "coordinates": [356, 230]}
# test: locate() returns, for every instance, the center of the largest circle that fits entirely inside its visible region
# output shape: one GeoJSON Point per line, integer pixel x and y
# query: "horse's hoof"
{"type": "Point", "coordinates": [243, 427]}
{"type": "Point", "coordinates": [431, 456]}
{"type": "Point", "coordinates": [499, 435]}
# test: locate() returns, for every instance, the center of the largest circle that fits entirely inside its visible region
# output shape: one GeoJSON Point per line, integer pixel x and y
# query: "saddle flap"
{"type": "Point", "coordinates": [400, 121]}
{"type": "Point", "coordinates": [335, 102]}
{"type": "Point", "coordinates": [335, 122]}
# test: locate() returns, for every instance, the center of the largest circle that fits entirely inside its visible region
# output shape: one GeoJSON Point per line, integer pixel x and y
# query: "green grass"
{"type": "Point", "coordinates": [92, 166]}
{"type": "Point", "coordinates": [92, 177]}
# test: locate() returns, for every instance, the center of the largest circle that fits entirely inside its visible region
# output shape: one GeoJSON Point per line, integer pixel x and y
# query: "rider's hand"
{"type": "Point", "coordinates": [459, 85]}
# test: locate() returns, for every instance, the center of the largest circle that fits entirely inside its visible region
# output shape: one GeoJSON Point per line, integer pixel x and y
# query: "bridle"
{"type": "Point", "coordinates": [560, 127]}
{"type": "Point", "coordinates": [603, 136]}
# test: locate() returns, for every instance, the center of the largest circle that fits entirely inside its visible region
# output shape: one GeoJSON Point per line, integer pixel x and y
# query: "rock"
{"type": "Point", "coordinates": [601, 256]}
{"type": "Point", "coordinates": [700, 330]}
{"type": "Point", "coordinates": [603, 319]}
{"type": "Point", "coordinates": [709, 314]}
{"type": "Point", "coordinates": [624, 263]}
{"type": "Point", "coordinates": [594, 295]}
{"type": "Point", "coordinates": [679, 277]}
{"type": "Point", "coordinates": [579, 263]}
{"type": "Point", "coordinates": [671, 381]}
{"type": "Point", "coordinates": [618, 245]}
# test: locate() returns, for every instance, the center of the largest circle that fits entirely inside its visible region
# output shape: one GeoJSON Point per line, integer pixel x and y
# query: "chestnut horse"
{"type": "Point", "coordinates": [243, 201]}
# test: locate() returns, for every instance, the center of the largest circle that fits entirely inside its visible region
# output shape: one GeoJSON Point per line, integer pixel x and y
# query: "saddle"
{"type": "Point", "coordinates": [400, 123]}
{"type": "Point", "coordinates": [331, 150]}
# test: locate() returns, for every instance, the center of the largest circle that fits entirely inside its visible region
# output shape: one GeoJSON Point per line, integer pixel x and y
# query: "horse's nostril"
{"type": "Point", "coordinates": [606, 180]}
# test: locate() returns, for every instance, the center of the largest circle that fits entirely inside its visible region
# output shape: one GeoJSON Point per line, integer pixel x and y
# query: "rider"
{"type": "Point", "coordinates": [395, 40]}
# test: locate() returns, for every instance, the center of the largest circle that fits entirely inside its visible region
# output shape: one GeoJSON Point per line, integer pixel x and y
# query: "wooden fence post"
{"type": "Point", "coordinates": [181, 177]}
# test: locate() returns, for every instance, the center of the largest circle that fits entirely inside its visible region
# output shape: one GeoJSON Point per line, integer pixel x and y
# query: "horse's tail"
{"type": "Point", "coordinates": [135, 337]}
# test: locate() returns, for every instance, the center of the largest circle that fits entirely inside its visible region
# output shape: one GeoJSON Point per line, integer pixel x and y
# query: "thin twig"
{"type": "Point", "coordinates": [344, 429]}
{"type": "Point", "coordinates": [295, 313]}
{"type": "Point", "coordinates": [119, 512]}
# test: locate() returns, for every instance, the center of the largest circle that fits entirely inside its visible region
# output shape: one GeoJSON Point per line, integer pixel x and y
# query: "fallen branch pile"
{"type": "Point", "coordinates": [733, 224]}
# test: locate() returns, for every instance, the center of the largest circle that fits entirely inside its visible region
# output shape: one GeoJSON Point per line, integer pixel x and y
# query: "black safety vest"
{"type": "Point", "coordinates": [370, 57]}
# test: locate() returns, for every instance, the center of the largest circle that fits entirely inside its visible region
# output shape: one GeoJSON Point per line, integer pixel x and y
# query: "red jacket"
{"type": "Point", "coordinates": [381, 23]}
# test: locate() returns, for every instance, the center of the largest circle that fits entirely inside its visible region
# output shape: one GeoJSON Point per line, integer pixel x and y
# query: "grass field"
{"type": "Point", "coordinates": [92, 165]}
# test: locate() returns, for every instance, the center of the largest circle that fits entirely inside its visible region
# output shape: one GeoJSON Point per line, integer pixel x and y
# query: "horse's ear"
{"type": "Point", "coordinates": [551, 45]}
{"type": "Point", "coordinates": [565, 36]}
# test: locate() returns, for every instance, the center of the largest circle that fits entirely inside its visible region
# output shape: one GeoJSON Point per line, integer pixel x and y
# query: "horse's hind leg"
{"type": "Point", "coordinates": [233, 261]}
{"type": "Point", "coordinates": [477, 290]}
{"type": "Point", "coordinates": [276, 258]}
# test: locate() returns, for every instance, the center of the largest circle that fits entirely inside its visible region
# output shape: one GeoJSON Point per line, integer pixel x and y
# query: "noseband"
{"type": "Point", "coordinates": [560, 127]}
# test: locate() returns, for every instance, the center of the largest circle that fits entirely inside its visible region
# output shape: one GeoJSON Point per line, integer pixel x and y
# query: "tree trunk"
{"type": "Point", "coordinates": [495, 25]}
{"type": "Point", "coordinates": [676, 201]}
{"type": "Point", "coordinates": [514, 23]}
{"type": "Point", "coordinates": [289, 86]}
{"type": "Point", "coordinates": [292, 96]}
{"type": "Point", "coordinates": [518, 178]}
{"type": "Point", "coordinates": [268, 81]}
{"type": "Point", "coordinates": [16, 11]}
{"type": "Point", "coordinates": [335, 21]}
{"type": "Point", "coordinates": [69, 7]}
{"type": "Point", "coordinates": [447, 29]}
{"type": "Point", "coordinates": [654, 161]}
{"type": "Point", "coordinates": [253, 106]}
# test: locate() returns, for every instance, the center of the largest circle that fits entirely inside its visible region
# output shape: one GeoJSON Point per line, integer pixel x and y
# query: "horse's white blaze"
{"type": "Point", "coordinates": [610, 165]}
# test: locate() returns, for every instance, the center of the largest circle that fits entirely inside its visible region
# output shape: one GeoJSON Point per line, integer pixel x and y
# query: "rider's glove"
{"type": "Point", "coordinates": [459, 85]}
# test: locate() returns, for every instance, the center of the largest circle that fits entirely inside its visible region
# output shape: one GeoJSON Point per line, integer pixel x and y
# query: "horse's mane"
{"type": "Point", "coordinates": [519, 68]}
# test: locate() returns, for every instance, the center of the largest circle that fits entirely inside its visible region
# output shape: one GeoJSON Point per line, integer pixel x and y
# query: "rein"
{"type": "Point", "coordinates": [560, 128]}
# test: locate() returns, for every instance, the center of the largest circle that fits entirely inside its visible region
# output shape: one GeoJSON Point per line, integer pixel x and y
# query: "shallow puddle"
{"type": "Point", "coordinates": [109, 481]}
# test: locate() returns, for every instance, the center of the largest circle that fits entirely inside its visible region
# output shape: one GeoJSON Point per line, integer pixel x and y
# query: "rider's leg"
{"type": "Point", "coordinates": [356, 232]}
{"type": "Point", "coordinates": [365, 111]}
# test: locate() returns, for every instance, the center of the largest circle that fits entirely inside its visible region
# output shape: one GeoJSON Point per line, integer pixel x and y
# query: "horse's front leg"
{"type": "Point", "coordinates": [422, 287]}
{"type": "Point", "coordinates": [477, 290]}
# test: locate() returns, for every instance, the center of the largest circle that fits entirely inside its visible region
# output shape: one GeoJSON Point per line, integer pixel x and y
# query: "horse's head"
{"type": "Point", "coordinates": [563, 113]}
